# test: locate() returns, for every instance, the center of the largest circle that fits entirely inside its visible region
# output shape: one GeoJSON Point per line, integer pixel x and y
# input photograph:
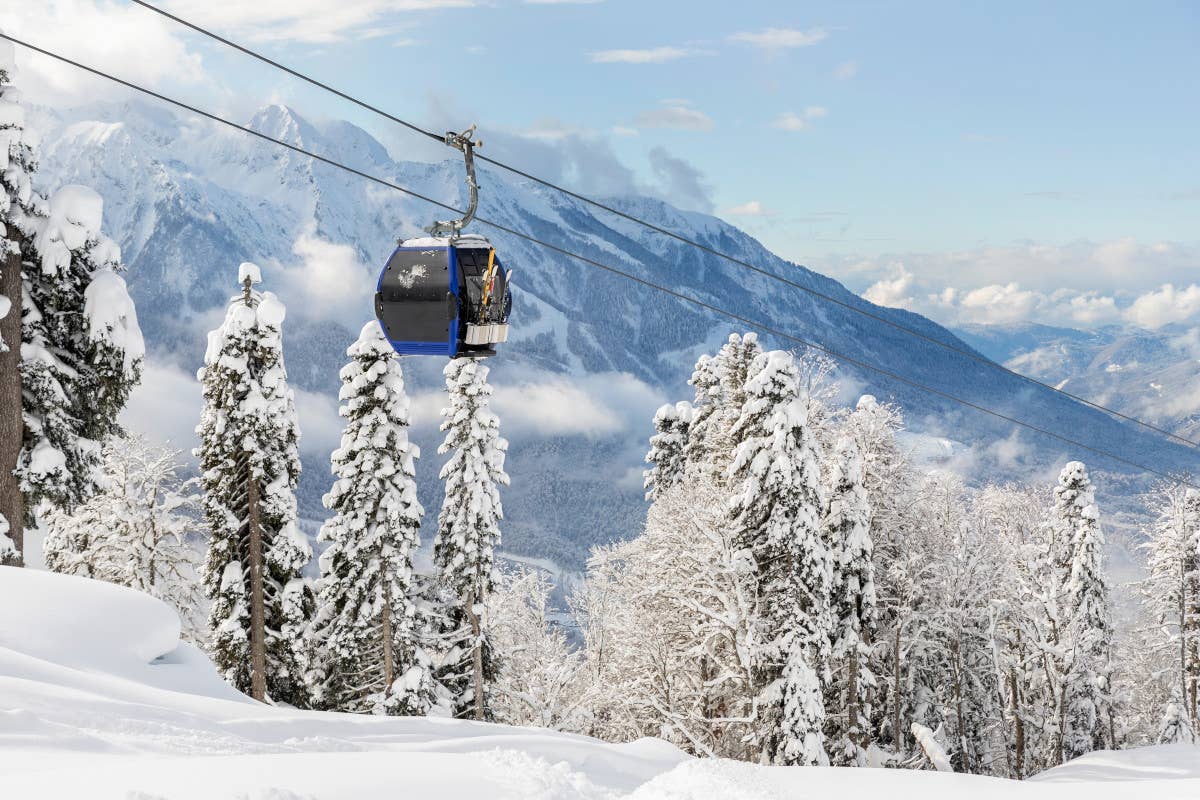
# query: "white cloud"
{"type": "Point", "coordinates": [544, 405]}
{"type": "Point", "coordinates": [780, 38]}
{"type": "Point", "coordinates": [846, 70]}
{"type": "Point", "coordinates": [751, 209]}
{"type": "Point", "coordinates": [136, 45]}
{"type": "Point", "coordinates": [894, 292]}
{"type": "Point", "coordinates": [551, 129]}
{"type": "Point", "coordinates": [675, 114]}
{"type": "Point", "coordinates": [653, 55]}
{"type": "Point", "coordinates": [1120, 268]}
{"type": "Point", "coordinates": [165, 406]}
{"type": "Point", "coordinates": [791, 121]}
{"type": "Point", "coordinates": [313, 21]}
{"type": "Point", "coordinates": [318, 420]}
{"type": "Point", "coordinates": [1165, 305]}
{"type": "Point", "coordinates": [329, 282]}
{"type": "Point", "coordinates": [996, 303]}
{"type": "Point", "coordinates": [680, 182]}
{"type": "Point", "coordinates": [1089, 310]}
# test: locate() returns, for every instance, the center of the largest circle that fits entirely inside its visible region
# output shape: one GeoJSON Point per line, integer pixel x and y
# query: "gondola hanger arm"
{"type": "Point", "coordinates": [464, 143]}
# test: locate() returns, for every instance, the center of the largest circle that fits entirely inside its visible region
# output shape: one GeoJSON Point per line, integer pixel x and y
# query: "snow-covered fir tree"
{"type": "Point", "coordinates": [468, 533]}
{"type": "Point", "coordinates": [666, 456]}
{"type": "Point", "coordinates": [367, 629]}
{"type": "Point", "coordinates": [1171, 596]}
{"type": "Point", "coordinates": [70, 346]}
{"type": "Point", "coordinates": [141, 529]}
{"type": "Point", "coordinates": [1177, 727]}
{"type": "Point", "coordinates": [1024, 650]}
{"type": "Point", "coordinates": [847, 533]}
{"type": "Point", "coordinates": [719, 383]}
{"type": "Point", "coordinates": [777, 507]}
{"type": "Point", "coordinates": [1087, 712]}
{"type": "Point", "coordinates": [250, 465]}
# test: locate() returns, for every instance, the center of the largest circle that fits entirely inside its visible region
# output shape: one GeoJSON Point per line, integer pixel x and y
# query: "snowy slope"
{"type": "Point", "coordinates": [591, 356]}
{"type": "Point", "coordinates": [98, 699]}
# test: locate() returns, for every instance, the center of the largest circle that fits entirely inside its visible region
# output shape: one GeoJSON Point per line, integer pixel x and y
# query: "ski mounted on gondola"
{"type": "Point", "coordinates": [446, 294]}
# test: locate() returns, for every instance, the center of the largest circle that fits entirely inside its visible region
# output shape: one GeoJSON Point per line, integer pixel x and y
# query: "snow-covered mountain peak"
{"type": "Point", "coordinates": [188, 201]}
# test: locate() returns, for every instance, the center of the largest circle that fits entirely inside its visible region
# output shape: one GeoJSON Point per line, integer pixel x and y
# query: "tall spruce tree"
{"type": "Point", "coordinates": [847, 526]}
{"type": "Point", "coordinates": [719, 383]}
{"type": "Point", "coordinates": [666, 457]}
{"type": "Point", "coordinates": [250, 466]}
{"type": "Point", "coordinates": [70, 347]}
{"type": "Point", "coordinates": [469, 533]}
{"type": "Point", "coordinates": [367, 625]}
{"type": "Point", "coordinates": [1087, 694]}
{"type": "Point", "coordinates": [777, 506]}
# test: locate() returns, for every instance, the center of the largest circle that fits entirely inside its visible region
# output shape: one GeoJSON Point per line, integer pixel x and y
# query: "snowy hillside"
{"type": "Point", "coordinates": [591, 355]}
{"type": "Point", "coordinates": [99, 699]}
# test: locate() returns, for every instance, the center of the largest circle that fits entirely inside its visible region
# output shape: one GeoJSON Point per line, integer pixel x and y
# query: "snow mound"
{"type": "Point", "coordinates": [76, 212]}
{"type": "Point", "coordinates": [112, 316]}
{"type": "Point", "coordinates": [1165, 762]}
{"type": "Point", "coordinates": [251, 271]}
{"type": "Point", "coordinates": [79, 622]}
{"type": "Point", "coordinates": [98, 699]}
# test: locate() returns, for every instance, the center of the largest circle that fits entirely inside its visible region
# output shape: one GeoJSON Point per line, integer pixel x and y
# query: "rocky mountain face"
{"type": "Point", "coordinates": [591, 354]}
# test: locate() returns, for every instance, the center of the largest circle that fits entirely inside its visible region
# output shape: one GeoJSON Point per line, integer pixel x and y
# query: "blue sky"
{"type": "Point", "coordinates": [1020, 151]}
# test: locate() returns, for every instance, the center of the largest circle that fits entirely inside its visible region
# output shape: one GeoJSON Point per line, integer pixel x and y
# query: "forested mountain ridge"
{"type": "Point", "coordinates": [591, 354]}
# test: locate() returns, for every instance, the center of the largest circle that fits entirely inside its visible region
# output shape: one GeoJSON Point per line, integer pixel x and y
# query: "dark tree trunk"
{"type": "Point", "coordinates": [477, 656]}
{"type": "Point", "coordinates": [12, 423]}
{"type": "Point", "coordinates": [258, 633]}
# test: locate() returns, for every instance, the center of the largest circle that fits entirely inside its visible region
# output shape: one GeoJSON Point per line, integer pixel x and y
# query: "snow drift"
{"type": "Point", "coordinates": [99, 699]}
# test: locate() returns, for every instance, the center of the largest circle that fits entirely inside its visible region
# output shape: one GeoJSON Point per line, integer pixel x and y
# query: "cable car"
{"type": "Point", "coordinates": [446, 294]}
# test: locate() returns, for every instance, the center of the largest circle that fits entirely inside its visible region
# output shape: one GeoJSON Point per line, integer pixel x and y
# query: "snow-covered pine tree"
{"type": "Point", "coordinates": [1087, 713]}
{"type": "Point", "coordinates": [139, 530]}
{"type": "Point", "coordinates": [666, 457]}
{"type": "Point", "coordinates": [70, 346]}
{"type": "Point", "coordinates": [777, 507]}
{"type": "Point", "coordinates": [1023, 650]}
{"type": "Point", "coordinates": [718, 382]}
{"type": "Point", "coordinates": [1176, 727]}
{"type": "Point", "coordinates": [366, 629]}
{"type": "Point", "coordinates": [250, 465]}
{"type": "Point", "coordinates": [469, 533]}
{"type": "Point", "coordinates": [1171, 593]}
{"type": "Point", "coordinates": [847, 533]}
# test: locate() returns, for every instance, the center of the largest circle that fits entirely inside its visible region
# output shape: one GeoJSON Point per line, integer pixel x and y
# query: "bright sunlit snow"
{"type": "Point", "coordinates": [99, 699]}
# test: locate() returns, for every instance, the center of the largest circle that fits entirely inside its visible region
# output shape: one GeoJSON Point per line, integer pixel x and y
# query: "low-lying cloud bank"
{"type": "Point", "coordinates": [1081, 285]}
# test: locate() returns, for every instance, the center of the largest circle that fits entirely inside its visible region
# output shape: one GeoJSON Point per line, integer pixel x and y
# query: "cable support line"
{"type": "Point", "coordinates": [965, 352]}
{"type": "Point", "coordinates": [750, 323]}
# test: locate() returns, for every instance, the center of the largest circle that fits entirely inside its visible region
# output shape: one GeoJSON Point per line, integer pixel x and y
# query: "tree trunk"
{"type": "Point", "coordinates": [258, 633]}
{"type": "Point", "coordinates": [477, 655]}
{"type": "Point", "coordinates": [12, 423]}
{"type": "Point", "coordinates": [1018, 721]}
{"type": "Point", "coordinates": [956, 656]}
{"type": "Point", "coordinates": [897, 733]}
{"type": "Point", "coordinates": [1183, 625]}
{"type": "Point", "coordinates": [385, 627]}
{"type": "Point", "coordinates": [853, 728]}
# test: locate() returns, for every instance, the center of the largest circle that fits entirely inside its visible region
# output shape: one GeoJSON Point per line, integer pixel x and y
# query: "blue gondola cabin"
{"type": "Point", "coordinates": [444, 296]}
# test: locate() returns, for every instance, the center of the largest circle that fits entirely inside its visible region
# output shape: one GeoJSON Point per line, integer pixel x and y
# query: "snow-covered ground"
{"type": "Point", "coordinates": [99, 699]}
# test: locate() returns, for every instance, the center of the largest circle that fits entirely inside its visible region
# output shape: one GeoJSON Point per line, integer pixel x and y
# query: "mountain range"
{"type": "Point", "coordinates": [591, 354]}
